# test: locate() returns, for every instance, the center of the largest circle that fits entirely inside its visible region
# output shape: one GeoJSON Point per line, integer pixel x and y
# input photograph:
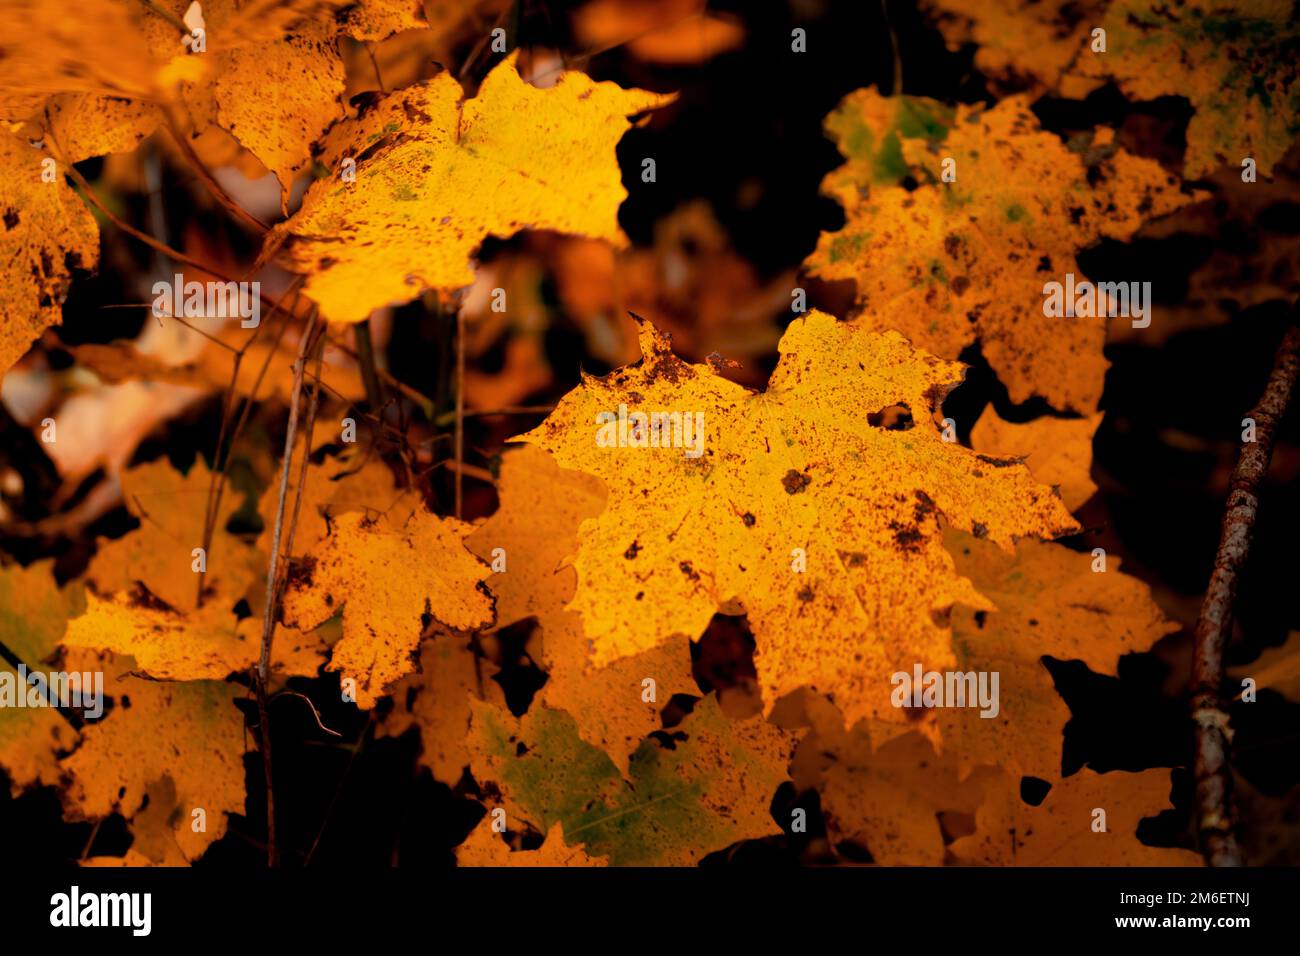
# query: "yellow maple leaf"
{"type": "Point", "coordinates": [1058, 451]}
{"type": "Point", "coordinates": [796, 505]}
{"type": "Point", "coordinates": [33, 615]}
{"type": "Point", "coordinates": [711, 786]}
{"type": "Point", "coordinates": [83, 125]}
{"type": "Point", "coordinates": [1233, 59]}
{"type": "Point", "coordinates": [1020, 42]}
{"type": "Point", "coordinates": [267, 72]}
{"type": "Point", "coordinates": [1049, 603]}
{"type": "Point", "coordinates": [72, 46]}
{"type": "Point", "coordinates": [949, 263]}
{"type": "Point", "coordinates": [160, 553]}
{"type": "Point", "coordinates": [46, 233]}
{"type": "Point", "coordinates": [279, 96]}
{"type": "Point", "coordinates": [436, 700]}
{"type": "Point", "coordinates": [351, 484]}
{"type": "Point", "coordinates": [542, 506]}
{"type": "Point", "coordinates": [190, 733]}
{"type": "Point", "coordinates": [1064, 829]}
{"type": "Point", "coordinates": [209, 643]}
{"type": "Point", "coordinates": [483, 847]}
{"type": "Point", "coordinates": [388, 579]}
{"type": "Point", "coordinates": [436, 174]}
{"type": "Point", "coordinates": [889, 799]}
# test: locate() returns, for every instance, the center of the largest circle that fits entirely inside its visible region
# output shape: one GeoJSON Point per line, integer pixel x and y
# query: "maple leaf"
{"type": "Point", "coordinates": [889, 799]}
{"type": "Point", "coordinates": [1050, 603]}
{"type": "Point", "coordinates": [436, 174]}
{"type": "Point", "coordinates": [278, 97]}
{"type": "Point", "coordinates": [49, 49]}
{"type": "Point", "coordinates": [710, 789]}
{"type": "Point", "coordinates": [387, 579]}
{"type": "Point", "coordinates": [1233, 59]}
{"type": "Point", "coordinates": [46, 233]}
{"type": "Point", "coordinates": [208, 643]}
{"type": "Point", "coordinates": [1058, 451]}
{"type": "Point", "coordinates": [1059, 832]}
{"type": "Point", "coordinates": [1020, 41]}
{"type": "Point", "coordinates": [276, 90]}
{"type": "Point", "coordinates": [34, 611]}
{"type": "Point", "coordinates": [803, 472]}
{"type": "Point", "coordinates": [380, 19]}
{"type": "Point", "coordinates": [189, 733]}
{"type": "Point", "coordinates": [949, 263]}
{"type": "Point", "coordinates": [436, 700]}
{"type": "Point", "coordinates": [542, 506]}
{"type": "Point", "coordinates": [83, 125]}
{"type": "Point", "coordinates": [483, 847]}
{"type": "Point", "coordinates": [159, 554]}
{"type": "Point", "coordinates": [351, 484]}
{"type": "Point", "coordinates": [153, 830]}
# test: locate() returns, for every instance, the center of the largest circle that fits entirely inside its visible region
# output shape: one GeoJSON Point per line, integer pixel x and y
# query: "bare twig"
{"type": "Point", "coordinates": [227, 437]}
{"type": "Point", "coordinates": [129, 229]}
{"type": "Point", "coordinates": [314, 712]}
{"type": "Point", "coordinates": [302, 471]}
{"type": "Point", "coordinates": [1213, 735]}
{"type": "Point", "coordinates": [149, 240]}
{"type": "Point", "coordinates": [209, 181]}
{"type": "Point", "coordinates": [442, 421]}
{"type": "Point", "coordinates": [268, 618]}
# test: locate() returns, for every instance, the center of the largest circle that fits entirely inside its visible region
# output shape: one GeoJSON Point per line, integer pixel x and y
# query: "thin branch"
{"type": "Point", "coordinates": [144, 237]}
{"type": "Point", "coordinates": [1213, 735]}
{"type": "Point", "coordinates": [205, 176]}
{"type": "Point", "coordinates": [129, 229]}
{"type": "Point", "coordinates": [227, 438]}
{"type": "Point", "coordinates": [314, 712]}
{"type": "Point", "coordinates": [442, 421]}
{"type": "Point", "coordinates": [302, 471]}
{"type": "Point", "coordinates": [268, 618]}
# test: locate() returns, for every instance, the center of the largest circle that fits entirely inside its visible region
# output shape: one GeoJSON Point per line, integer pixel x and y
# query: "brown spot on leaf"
{"type": "Point", "coordinates": [795, 482]}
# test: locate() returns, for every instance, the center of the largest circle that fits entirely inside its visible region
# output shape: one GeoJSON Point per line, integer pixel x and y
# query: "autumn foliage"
{"type": "Point", "coordinates": [440, 499]}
